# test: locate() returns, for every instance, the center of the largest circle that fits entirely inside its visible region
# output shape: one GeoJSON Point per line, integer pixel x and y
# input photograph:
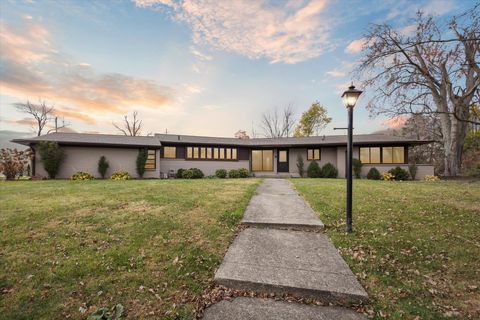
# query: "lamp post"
{"type": "Point", "coordinates": [350, 98]}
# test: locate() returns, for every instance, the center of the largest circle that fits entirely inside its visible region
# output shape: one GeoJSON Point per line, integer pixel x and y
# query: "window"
{"type": "Point", "coordinates": [203, 153]}
{"type": "Point", "coordinates": [215, 153]}
{"type": "Point", "coordinates": [382, 155]}
{"type": "Point", "coordinates": [313, 154]}
{"type": "Point", "coordinates": [234, 153]}
{"type": "Point", "coordinates": [169, 152]}
{"type": "Point", "coordinates": [195, 152]}
{"type": "Point", "coordinates": [282, 156]}
{"type": "Point", "coordinates": [229, 153]}
{"type": "Point", "coordinates": [151, 162]}
{"type": "Point", "coordinates": [262, 160]}
{"type": "Point", "coordinates": [222, 153]}
{"type": "Point", "coordinates": [209, 153]}
{"type": "Point", "coordinates": [189, 152]}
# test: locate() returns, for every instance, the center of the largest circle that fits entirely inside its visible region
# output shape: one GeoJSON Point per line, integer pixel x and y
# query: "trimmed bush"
{"type": "Point", "coordinates": [141, 161]}
{"type": "Point", "coordinates": [120, 175]}
{"type": "Point", "coordinates": [357, 168]}
{"type": "Point", "coordinates": [103, 166]}
{"type": "Point", "coordinates": [52, 157]}
{"type": "Point", "coordinates": [192, 173]}
{"type": "Point", "coordinates": [221, 173]}
{"type": "Point", "coordinates": [399, 173]}
{"type": "Point", "coordinates": [412, 169]}
{"type": "Point", "coordinates": [243, 173]}
{"type": "Point", "coordinates": [82, 176]}
{"type": "Point", "coordinates": [313, 170]}
{"type": "Point", "coordinates": [233, 174]}
{"type": "Point", "coordinates": [329, 171]}
{"type": "Point", "coordinates": [373, 174]}
{"type": "Point", "coordinates": [180, 173]}
{"type": "Point", "coordinates": [300, 165]}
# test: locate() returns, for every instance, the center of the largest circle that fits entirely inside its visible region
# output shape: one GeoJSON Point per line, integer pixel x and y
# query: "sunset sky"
{"type": "Point", "coordinates": [191, 67]}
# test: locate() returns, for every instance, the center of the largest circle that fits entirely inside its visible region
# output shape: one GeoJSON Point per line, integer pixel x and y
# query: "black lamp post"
{"type": "Point", "coordinates": [350, 98]}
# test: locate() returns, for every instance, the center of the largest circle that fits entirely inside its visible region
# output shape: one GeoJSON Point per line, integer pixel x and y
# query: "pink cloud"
{"type": "Point", "coordinates": [395, 122]}
{"type": "Point", "coordinates": [356, 46]}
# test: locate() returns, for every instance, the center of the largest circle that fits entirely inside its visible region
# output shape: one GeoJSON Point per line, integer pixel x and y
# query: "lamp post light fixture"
{"type": "Point", "coordinates": [350, 98]}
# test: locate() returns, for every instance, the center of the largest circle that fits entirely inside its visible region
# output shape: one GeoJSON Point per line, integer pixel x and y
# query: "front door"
{"type": "Point", "coordinates": [282, 160]}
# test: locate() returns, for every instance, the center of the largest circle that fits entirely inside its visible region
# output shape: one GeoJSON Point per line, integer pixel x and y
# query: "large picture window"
{"type": "Point", "coordinates": [151, 162]}
{"type": "Point", "coordinates": [209, 153]}
{"type": "Point", "coordinates": [262, 160]}
{"type": "Point", "coordinates": [170, 152]}
{"type": "Point", "coordinates": [376, 155]}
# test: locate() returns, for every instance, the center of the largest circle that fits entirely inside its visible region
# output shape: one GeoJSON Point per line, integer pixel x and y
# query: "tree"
{"type": "Point", "coordinates": [141, 161]}
{"type": "Point", "coordinates": [312, 121]}
{"type": "Point", "coordinates": [52, 157]}
{"type": "Point", "coordinates": [103, 166]}
{"type": "Point", "coordinates": [300, 165]}
{"type": "Point", "coordinates": [14, 162]}
{"type": "Point", "coordinates": [42, 115]}
{"type": "Point", "coordinates": [433, 70]}
{"type": "Point", "coordinates": [277, 124]}
{"type": "Point", "coordinates": [130, 127]}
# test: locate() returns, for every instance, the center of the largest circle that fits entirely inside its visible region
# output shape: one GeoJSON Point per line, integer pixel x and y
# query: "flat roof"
{"type": "Point", "coordinates": [158, 139]}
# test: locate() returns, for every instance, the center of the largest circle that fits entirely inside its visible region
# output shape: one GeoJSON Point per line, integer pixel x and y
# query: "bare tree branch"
{"type": "Point", "coordinates": [42, 115]}
{"type": "Point", "coordinates": [130, 128]}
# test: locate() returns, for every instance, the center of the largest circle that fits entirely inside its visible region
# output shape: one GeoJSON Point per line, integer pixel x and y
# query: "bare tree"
{"type": "Point", "coordinates": [277, 124]}
{"type": "Point", "coordinates": [42, 116]}
{"type": "Point", "coordinates": [434, 70]}
{"type": "Point", "coordinates": [130, 127]}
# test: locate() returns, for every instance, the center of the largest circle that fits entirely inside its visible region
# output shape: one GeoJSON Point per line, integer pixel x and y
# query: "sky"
{"type": "Point", "coordinates": [190, 67]}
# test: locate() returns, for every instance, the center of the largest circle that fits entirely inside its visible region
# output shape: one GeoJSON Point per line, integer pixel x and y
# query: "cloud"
{"type": "Point", "coordinates": [288, 33]}
{"type": "Point", "coordinates": [193, 89]}
{"type": "Point", "coordinates": [356, 46]}
{"type": "Point", "coordinates": [32, 68]}
{"type": "Point", "coordinates": [336, 73]}
{"type": "Point", "coordinates": [211, 107]}
{"type": "Point", "coordinates": [200, 55]}
{"type": "Point", "coordinates": [395, 122]}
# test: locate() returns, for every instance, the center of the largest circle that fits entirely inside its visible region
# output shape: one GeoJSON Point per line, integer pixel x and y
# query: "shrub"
{"type": "Point", "coordinates": [387, 176]}
{"type": "Point", "coordinates": [243, 173]}
{"type": "Point", "coordinates": [52, 157]}
{"type": "Point", "coordinates": [373, 174]}
{"type": "Point", "coordinates": [82, 176]}
{"type": "Point", "coordinates": [180, 173]}
{"type": "Point", "coordinates": [475, 171]}
{"type": "Point", "coordinates": [300, 165]}
{"type": "Point", "coordinates": [197, 173]}
{"type": "Point", "coordinates": [431, 178]}
{"type": "Point", "coordinates": [313, 170]}
{"type": "Point", "coordinates": [192, 173]}
{"type": "Point", "coordinates": [12, 162]}
{"type": "Point", "coordinates": [141, 161]}
{"type": "Point", "coordinates": [399, 173]}
{"type": "Point", "coordinates": [329, 171]}
{"type": "Point", "coordinates": [412, 169]}
{"type": "Point", "coordinates": [221, 173]}
{"type": "Point", "coordinates": [233, 173]}
{"type": "Point", "coordinates": [103, 166]}
{"type": "Point", "coordinates": [357, 168]}
{"type": "Point", "coordinates": [120, 175]}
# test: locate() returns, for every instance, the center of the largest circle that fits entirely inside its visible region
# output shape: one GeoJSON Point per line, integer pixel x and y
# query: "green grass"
{"type": "Point", "coordinates": [151, 245]}
{"type": "Point", "coordinates": [415, 246]}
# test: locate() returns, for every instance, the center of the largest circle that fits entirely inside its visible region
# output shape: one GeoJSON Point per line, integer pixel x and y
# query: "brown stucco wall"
{"type": "Point", "coordinates": [86, 159]}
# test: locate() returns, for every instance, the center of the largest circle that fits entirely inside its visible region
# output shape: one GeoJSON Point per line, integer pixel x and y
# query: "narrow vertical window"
{"type": "Point", "coordinates": [222, 153]}
{"type": "Point", "coordinates": [195, 152]}
{"type": "Point", "coordinates": [229, 153]}
{"type": "Point", "coordinates": [215, 153]}
{"type": "Point", "coordinates": [234, 153]}
{"type": "Point", "coordinates": [151, 162]}
{"type": "Point", "coordinates": [209, 153]}
{"type": "Point", "coordinates": [189, 152]}
{"type": "Point", "coordinates": [203, 153]}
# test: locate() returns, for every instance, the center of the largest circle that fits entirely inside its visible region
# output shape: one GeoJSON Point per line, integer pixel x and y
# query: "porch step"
{"type": "Point", "coordinates": [303, 264]}
{"type": "Point", "coordinates": [243, 308]}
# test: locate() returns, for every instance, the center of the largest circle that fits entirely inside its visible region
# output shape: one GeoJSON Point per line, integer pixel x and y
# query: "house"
{"type": "Point", "coordinates": [261, 156]}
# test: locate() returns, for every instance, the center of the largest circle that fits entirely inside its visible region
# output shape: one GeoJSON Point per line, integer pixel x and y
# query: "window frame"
{"type": "Point", "coordinates": [382, 154]}
{"type": "Point", "coordinates": [174, 152]}
{"type": "Point", "coordinates": [211, 153]}
{"type": "Point", "coordinates": [263, 160]}
{"type": "Point", "coordinates": [151, 152]}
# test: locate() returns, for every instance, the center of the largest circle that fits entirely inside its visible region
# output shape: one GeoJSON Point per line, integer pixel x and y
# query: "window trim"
{"type": "Point", "coordinates": [149, 153]}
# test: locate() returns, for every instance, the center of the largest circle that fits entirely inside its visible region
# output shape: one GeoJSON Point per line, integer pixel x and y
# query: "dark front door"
{"type": "Point", "coordinates": [282, 160]}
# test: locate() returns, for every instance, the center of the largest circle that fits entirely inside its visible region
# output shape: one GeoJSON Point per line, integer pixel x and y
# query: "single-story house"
{"type": "Point", "coordinates": [261, 156]}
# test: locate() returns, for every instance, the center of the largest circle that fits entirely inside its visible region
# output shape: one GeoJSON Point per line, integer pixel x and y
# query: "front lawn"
{"type": "Point", "coordinates": [415, 246]}
{"type": "Point", "coordinates": [69, 247]}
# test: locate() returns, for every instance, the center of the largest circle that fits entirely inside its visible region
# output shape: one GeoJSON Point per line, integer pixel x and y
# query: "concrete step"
{"type": "Point", "coordinates": [282, 211]}
{"type": "Point", "coordinates": [267, 309]}
{"type": "Point", "coordinates": [304, 264]}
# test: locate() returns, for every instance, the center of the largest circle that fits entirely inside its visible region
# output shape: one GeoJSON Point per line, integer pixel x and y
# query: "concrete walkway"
{"type": "Point", "coordinates": [267, 259]}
